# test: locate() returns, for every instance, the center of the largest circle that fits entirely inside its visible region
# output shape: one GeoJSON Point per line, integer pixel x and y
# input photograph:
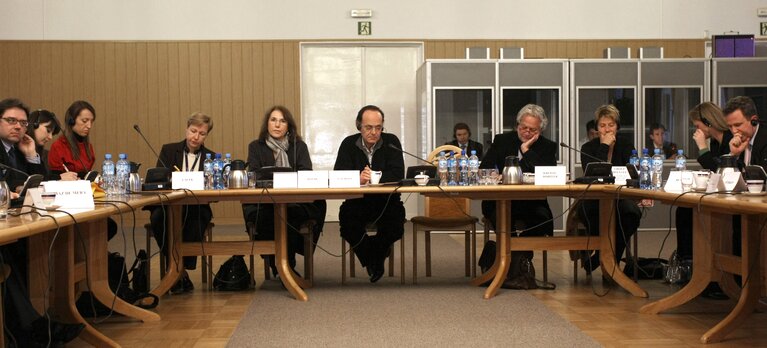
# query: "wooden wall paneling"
{"type": "Point", "coordinates": [178, 121]}
{"type": "Point", "coordinates": [258, 88]}
{"type": "Point", "coordinates": [215, 93]}
{"type": "Point", "coordinates": [248, 95]}
{"type": "Point", "coordinates": [239, 139]}
{"type": "Point", "coordinates": [278, 59]}
{"type": "Point", "coordinates": [268, 78]}
{"type": "Point", "coordinates": [292, 86]}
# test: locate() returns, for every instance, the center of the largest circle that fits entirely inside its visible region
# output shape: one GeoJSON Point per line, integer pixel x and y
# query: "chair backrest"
{"type": "Point", "coordinates": [447, 148]}
{"type": "Point", "coordinates": [447, 207]}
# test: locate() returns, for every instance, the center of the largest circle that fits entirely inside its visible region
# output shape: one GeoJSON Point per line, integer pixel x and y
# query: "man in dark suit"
{"type": "Point", "coordinates": [657, 133]}
{"type": "Point", "coordinates": [19, 150]}
{"type": "Point", "coordinates": [367, 151]}
{"type": "Point", "coordinates": [748, 143]}
{"type": "Point", "coordinates": [187, 155]}
{"type": "Point", "coordinates": [461, 135]}
{"type": "Point", "coordinates": [533, 149]}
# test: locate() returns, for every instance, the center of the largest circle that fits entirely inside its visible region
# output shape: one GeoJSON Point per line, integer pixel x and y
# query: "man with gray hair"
{"type": "Point", "coordinates": [534, 218]}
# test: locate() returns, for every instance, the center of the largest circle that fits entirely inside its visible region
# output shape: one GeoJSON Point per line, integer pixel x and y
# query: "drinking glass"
{"type": "Point", "coordinates": [252, 179]}
{"type": "Point", "coordinates": [687, 180]}
{"type": "Point", "coordinates": [5, 200]}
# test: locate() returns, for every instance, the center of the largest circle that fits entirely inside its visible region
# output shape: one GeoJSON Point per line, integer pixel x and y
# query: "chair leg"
{"type": "Point", "coordinates": [402, 261]}
{"type": "Point", "coordinates": [415, 254]}
{"type": "Point", "coordinates": [351, 262]}
{"type": "Point", "coordinates": [149, 234]}
{"type": "Point", "coordinates": [575, 271]}
{"type": "Point", "coordinates": [207, 263]}
{"type": "Point", "coordinates": [267, 270]}
{"type": "Point", "coordinates": [467, 244]}
{"type": "Point", "coordinates": [252, 271]}
{"type": "Point", "coordinates": [343, 262]}
{"type": "Point", "coordinates": [391, 261]}
{"type": "Point", "coordinates": [427, 244]}
{"type": "Point", "coordinates": [474, 251]}
{"type": "Point", "coordinates": [545, 266]}
{"type": "Point", "coordinates": [309, 256]}
{"type": "Point", "coordinates": [635, 257]}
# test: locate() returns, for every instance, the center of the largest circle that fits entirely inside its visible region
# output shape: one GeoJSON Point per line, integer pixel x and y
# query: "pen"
{"type": "Point", "coordinates": [65, 168]}
{"type": "Point", "coordinates": [176, 168]}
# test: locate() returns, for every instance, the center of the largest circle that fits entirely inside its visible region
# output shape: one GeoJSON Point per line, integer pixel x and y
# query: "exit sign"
{"type": "Point", "coordinates": [364, 28]}
{"type": "Point", "coordinates": [763, 30]}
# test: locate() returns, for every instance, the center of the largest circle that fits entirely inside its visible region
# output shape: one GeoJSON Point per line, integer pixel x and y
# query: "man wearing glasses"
{"type": "Point", "coordinates": [18, 148]}
{"type": "Point", "coordinates": [370, 150]}
{"type": "Point", "coordinates": [533, 217]}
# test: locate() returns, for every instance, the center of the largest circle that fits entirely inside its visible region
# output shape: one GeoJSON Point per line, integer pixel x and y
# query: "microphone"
{"type": "Point", "coordinates": [562, 144]}
{"type": "Point", "coordinates": [135, 126]}
{"type": "Point", "coordinates": [409, 154]}
{"type": "Point", "coordinates": [4, 166]}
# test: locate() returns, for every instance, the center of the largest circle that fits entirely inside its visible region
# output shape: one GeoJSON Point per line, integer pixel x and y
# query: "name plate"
{"type": "Point", "coordinates": [313, 179]}
{"type": "Point", "coordinates": [71, 194]}
{"type": "Point", "coordinates": [33, 198]}
{"type": "Point", "coordinates": [550, 175]}
{"type": "Point", "coordinates": [188, 180]}
{"type": "Point", "coordinates": [621, 174]}
{"type": "Point", "coordinates": [674, 182]}
{"type": "Point", "coordinates": [344, 179]}
{"type": "Point", "coordinates": [732, 182]}
{"type": "Point", "coordinates": [285, 180]}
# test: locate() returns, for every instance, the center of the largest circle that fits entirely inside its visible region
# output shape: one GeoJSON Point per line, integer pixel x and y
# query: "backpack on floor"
{"type": "Point", "coordinates": [233, 275]}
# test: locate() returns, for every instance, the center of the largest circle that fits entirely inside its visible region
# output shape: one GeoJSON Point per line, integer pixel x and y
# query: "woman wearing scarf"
{"type": "Point", "coordinates": [279, 145]}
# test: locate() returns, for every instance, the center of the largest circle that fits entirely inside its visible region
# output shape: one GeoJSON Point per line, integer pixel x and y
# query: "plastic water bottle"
{"type": "Point", "coordinates": [108, 174]}
{"type": "Point", "coordinates": [452, 170]}
{"type": "Point", "coordinates": [473, 168]}
{"type": "Point", "coordinates": [218, 173]}
{"type": "Point", "coordinates": [207, 166]}
{"type": "Point", "coordinates": [463, 165]}
{"type": "Point", "coordinates": [442, 169]}
{"type": "Point", "coordinates": [657, 169]}
{"type": "Point", "coordinates": [681, 161]}
{"type": "Point", "coordinates": [122, 172]}
{"type": "Point", "coordinates": [634, 160]}
{"type": "Point", "coordinates": [227, 160]}
{"type": "Point", "coordinates": [645, 177]}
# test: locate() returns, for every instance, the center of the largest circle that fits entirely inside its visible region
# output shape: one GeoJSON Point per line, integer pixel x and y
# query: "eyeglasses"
{"type": "Point", "coordinates": [528, 129]}
{"type": "Point", "coordinates": [13, 121]}
{"type": "Point", "coordinates": [369, 128]}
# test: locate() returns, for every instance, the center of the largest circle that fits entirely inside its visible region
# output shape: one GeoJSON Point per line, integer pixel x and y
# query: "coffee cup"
{"type": "Point", "coordinates": [701, 179]}
{"type": "Point", "coordinates": [755, 186]}
{"type": "Point", "coordinates": [375, 177]}
{"type": "Point", "coordinates": [421, 179]}
{"type": "Point", "coordinates": [528, 178]}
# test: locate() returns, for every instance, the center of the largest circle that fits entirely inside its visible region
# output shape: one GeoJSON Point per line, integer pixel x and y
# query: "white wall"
{"type": "Point", "coordinates": [393, 19]}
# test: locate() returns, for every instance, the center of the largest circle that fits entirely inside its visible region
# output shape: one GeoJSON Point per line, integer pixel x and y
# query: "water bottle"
{"type": "Point", "coordinates": [634, 160]}
{"type": "Point", "coordinates": [452, 170]}
{"type": "Point", "coordinates": [657, 170]}
{"type": "Point", "coordinates": [473, 168]}
{"type": "Point", "coordinates": [218, 173]}
{"type": "Point", "coordinates": [645, 178]}
{"type": "Point", "coordinates": [108, 174]}
{"type": "Point", "coordinates": [227, 160]}
{"type": "Point", "coordinates": [681, 161]}
{"type": "Point", "coordinates": [208, 172]}
{"type": "Point", "coordinates": [122, 173]}
{"type": "Point", "coordinates": [442, 165]}
{"type": "Point", "coordinates": [463, 165]}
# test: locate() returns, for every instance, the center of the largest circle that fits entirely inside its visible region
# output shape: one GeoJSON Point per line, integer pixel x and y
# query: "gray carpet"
{"type": "Point", "coordinates": [442, 310]}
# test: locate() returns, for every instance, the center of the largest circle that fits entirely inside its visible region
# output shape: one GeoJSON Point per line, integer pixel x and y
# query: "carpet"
{"type": "Point", "coordinates": [442, 310]}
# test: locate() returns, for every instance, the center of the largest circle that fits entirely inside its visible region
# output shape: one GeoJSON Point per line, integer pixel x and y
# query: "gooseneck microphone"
{"type": "Point", "coordinates": [4, 166]}
{"type": "Point", "coordinates": [562, 144]}
{"type": "Point", "coordinates": [409, 154]}
{"type": "Point", "coordinates": [135, 126]}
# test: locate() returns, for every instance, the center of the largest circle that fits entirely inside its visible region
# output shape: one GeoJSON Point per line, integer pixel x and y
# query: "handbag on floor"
{"type": "Point", "coordinates": [233, 275]}
{"type": "Point", "coordinates": [89, 306]}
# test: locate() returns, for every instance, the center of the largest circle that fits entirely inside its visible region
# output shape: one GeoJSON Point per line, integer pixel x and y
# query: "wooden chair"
{"type": "Point", "coordinates": [205, 264]}
{"type": "Point", "coordinates": [306, 230]}
{"type": "Point", "coordinates": [371, 229]}
{"type": "Point", "coordinates": [445, 214]}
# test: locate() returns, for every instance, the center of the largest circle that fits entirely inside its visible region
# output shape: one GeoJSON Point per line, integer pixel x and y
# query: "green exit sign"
{"type": "Point", "coordinates": [364, 28]}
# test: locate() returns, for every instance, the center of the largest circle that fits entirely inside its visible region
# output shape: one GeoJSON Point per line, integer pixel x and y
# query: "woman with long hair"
{"type": "Point", "coordinates": [73, 152]}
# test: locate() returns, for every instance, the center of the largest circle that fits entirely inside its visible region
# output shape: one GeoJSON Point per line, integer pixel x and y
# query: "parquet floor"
{"type": "Point", "coordinates": [207, 319]}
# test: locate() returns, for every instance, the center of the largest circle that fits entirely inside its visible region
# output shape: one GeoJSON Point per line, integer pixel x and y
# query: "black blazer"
{"type": "Point", "coordinates": [472, 145]}
{"type": "Point", "coordinates": [621, 151]}
{"type": "Point", "coordinates": [260, 155]}
{"type": "Point", "coordinates": [710, 159]}
{"type": "Point", "coordinates": [15, 179]}
{"type": "Point", "coordinates": [758, 150]}
{"type": "Point", "coordinates": [385, 159]}
{"type": "Point", "coordinates": [542, 153]}
{"type": "Point", "coordinates": [173, 155]}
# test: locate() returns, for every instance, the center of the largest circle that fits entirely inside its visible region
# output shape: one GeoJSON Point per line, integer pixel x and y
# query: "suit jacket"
{"type": "Point", "coordinates": [758, 150]}
{"type": "Point", "coordinates": [472, 145]}
{"type": "Point", "coordinates": [710, 159]}
{"type": "Point", "coordinates": [621, 151]}
{"type": "Point", "coordinates": [173, 155]}
{"type": "Point", "coordinates": [542, 153]}
{"type": "Point", "coordinates": [17, 179]}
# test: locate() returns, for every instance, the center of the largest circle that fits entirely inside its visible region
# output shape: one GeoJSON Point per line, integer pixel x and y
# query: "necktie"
{"type": "Point", "coordinates": [748, 155]}
{"type": "Point", "coordinates": [12, 158]}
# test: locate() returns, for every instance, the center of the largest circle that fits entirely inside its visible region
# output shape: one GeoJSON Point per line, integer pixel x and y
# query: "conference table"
{"type": "Point", "coordinates": [714, 260]}
{"type": "Point", "coordinates": [67, 249]}
{"type": "Point", "coordinates": [505, 195]}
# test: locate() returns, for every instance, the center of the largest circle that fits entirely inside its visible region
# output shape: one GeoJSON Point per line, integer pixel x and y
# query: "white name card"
{"type": "Point", "coordinates": [344, 179]}
{"type": "Point", "coordinates": [188, 180]}
{"type": "Point", "coordinates": [674, 182]}
{"type": "Point", "coordinates": [733, 182]}
{"type": "Point", "coordinates": [714, 183]}
{"type": "Point", "coordinates": [621, 174]}
{"type": "Point", "coordinates": [285, 180]}
{"type": "Point", "coordinates": [71, 194]}
{"type": "Point", "coordinates": [550, 175]}
{"type": "Point", "coordinates": [313, 179]}
{"type": "Point", "coordinates": [33, 198]}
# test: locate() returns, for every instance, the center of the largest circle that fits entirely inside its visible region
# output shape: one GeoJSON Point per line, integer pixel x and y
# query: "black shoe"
{"type": "Point", "coordinates": [376, 271]}
{"type": "Point", "coordinates": [60, 332]}
{"type": "Point", "coordinates": [714, 292]}
{"type": "Point", "coordinates": [589, 262]}
{"type": "Point", "coordinates": [183, 285]}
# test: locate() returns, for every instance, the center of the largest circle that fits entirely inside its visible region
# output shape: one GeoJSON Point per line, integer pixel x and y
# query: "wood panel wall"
{"type": "Point", "coordinates": [158, 84]}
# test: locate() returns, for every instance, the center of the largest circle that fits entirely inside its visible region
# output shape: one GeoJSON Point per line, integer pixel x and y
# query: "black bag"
{"type": "Point", "coordinates": [233, 275]}
{"type": "Point", "coordinates": [521, 271]}
{"type": "Point", "coordinates": [649, 268]}
{"type": "Point", "coordinates": [88, 306]}
{"type": "Point", "coordinates": [139, 272]}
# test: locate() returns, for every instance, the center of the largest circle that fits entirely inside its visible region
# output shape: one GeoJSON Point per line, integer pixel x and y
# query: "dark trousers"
{"type": "Point", "coordinates": [262, 215]}
{"type": "Point", "coordinates": [195, 220]}
{"type": "Point", "coordinates": [534, 217]}
{"type": "Point", "coordinates": [684, 221]}
{"type": "Point", "coordinates": [18, 310]}
{"type": "Point", "coordinates": [388, 214]}
{"type": "Point", "coordinates": [627, 215]}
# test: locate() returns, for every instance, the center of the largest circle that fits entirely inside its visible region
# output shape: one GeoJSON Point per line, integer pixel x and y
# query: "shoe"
{"type": "Point", "coordinates": [714, 292]}
{"type": "Point", "coordinates": [376, 271]}
{"type": "Point", "coordinates": [60, 332]}
{"type": "Point", "coordinates": [589, 263]}
{"type": "Point", "coordinates": [183, 285]}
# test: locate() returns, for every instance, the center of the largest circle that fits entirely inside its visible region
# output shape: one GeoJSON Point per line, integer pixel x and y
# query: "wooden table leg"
{"type": "Point", "coordinates": [705, 227]}
{"type": "Point", "coordinates": [97, 262]}
{"type": "Point", "coordinates": [174, 239]}
{"type": "Point", "coordinates": [503, 248]}
{"type": "Point", "coordinates": [281, 253]}
{"type": "Point", "coordinates": [752, 287]}
{"type": "Point", "coordinates": [607, 245]}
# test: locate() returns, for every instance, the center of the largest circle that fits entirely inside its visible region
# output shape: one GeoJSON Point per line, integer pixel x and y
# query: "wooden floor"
{"type": "Point", "coordinates": [611, 316]}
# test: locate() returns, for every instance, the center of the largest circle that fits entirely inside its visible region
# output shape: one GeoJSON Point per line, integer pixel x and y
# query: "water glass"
{"type": "Point", "coordinates": [687, 180]}
{"type": "Point", "coordinates": [252, 179]}
{"type": "Point", "coordinates": [5, 200]}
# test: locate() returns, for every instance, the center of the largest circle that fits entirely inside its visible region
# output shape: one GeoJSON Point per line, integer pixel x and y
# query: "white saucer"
{"type": "Point", "coordinates": [699, 189]}
{"type": "Point", "coordinates": [378, 184]}
{"type": "Point", "coordinates": [755, 194]}
{"type": "Point", "coordinates": [52, 207]}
